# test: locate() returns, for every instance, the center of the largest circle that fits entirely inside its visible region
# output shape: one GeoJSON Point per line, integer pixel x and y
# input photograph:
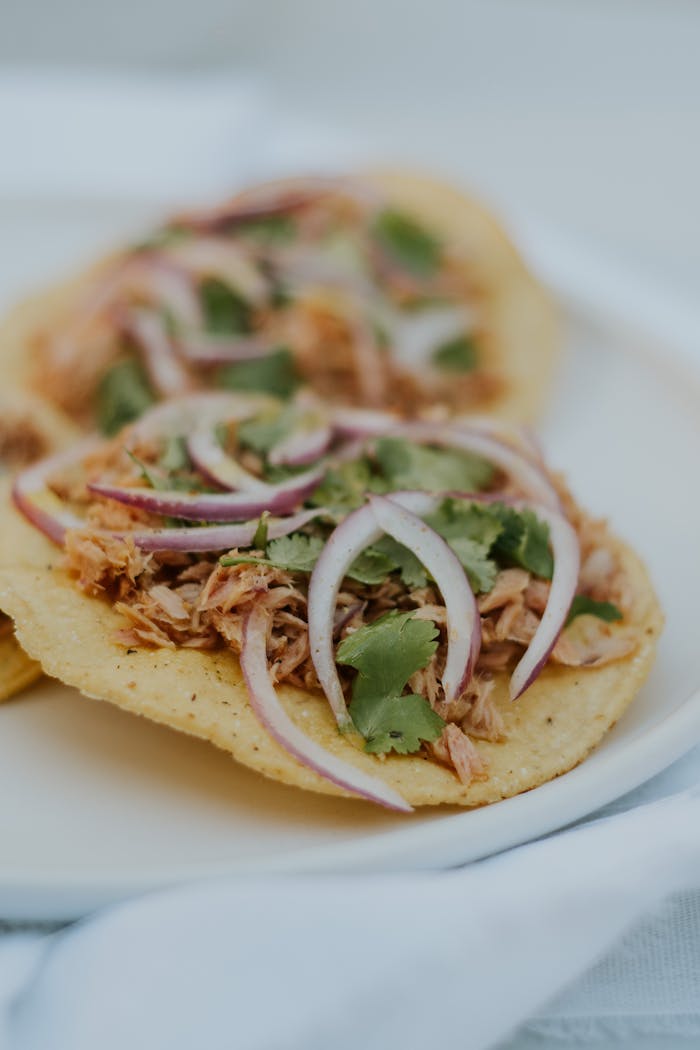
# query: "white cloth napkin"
{"type": "Point", "coordinates": [364, 963]}
{"type": "Point", "coordinates": [325, 962]}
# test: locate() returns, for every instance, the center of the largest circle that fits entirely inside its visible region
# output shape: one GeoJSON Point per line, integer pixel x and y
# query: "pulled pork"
{"type": "Point", "coordinates": [171, 599]}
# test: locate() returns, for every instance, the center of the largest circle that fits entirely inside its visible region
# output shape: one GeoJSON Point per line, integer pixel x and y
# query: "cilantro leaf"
{"type": "Point", "coordinates": [224, 310]}
{"type": "Point", "coordinates": [294, 553]}
{"type": "Point", "coordinates": [175, 456]}
{"type": "Point", "coordinates": [274, 374]}
{"type": "Point", "coordinates": [260, 537]}
{"type": "Point", "coordinates": [297, 552]}
{"type": "Point", "coordinates": [395, 723]}
{"type": "Point", "coordinates": [344, 488]}
{"type": "Point", "coordinates": [524, 540]}
{"type": "Point", "coordinates": [412, 572]}
{"type": "Point", "coordinates": [582, 605]}
{"type": "Point", "coordinates": [123, 394]}
{"type": "Point", "coordinates": [455, 519]}
{"type": "Point", "coordinates": [263, 432]}
{"type": "Point", "coordinates": [456, 355]}
{"type": "Point", "coordinates": [387, 652]}
{"type": "Point", "coordinates": [155, 477]}
{"type": "Point", "coordinates": [265, 228]}
{"type": "Point", "coordinates": [409, 466]}
{"type": "Point", "coordinates": [371, 567]}
{"type": "Point", "coordinates": [407, 242]}
{"type": "Point", "coordinates": [483, 534]}
{"type": "Point", "coordinates": [481, 569]}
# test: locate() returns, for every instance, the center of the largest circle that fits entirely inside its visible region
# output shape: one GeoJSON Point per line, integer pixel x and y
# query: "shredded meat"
{"type": "Point", "coordinates": [101, 561]}
{"type": "Point", "coordinates": [455, 749]}
{"type": "Point", "coordinates": [175, 599]}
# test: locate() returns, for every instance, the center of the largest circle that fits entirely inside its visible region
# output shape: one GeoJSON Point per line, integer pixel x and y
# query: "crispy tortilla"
{"type": "Point", "coordinates": [518, 314]}
{"type": "Point", "coordinates": [46, 429]}
{"type": "Point", "coordinates": [549, 730]}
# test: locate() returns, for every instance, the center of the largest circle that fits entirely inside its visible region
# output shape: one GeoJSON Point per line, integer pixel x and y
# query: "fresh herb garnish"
{"type": "Point", "coordinates": [409, 466]}
{"type": "Point", "coordinates": [385, 654]}
{"type": "Point", "coordinates": [225, 312]}
{"type": "Point", "coordinates": [274, 374]}
{"type": "Point", "coordinates": [123, 395]}
{"type": "Point", "coordinates": [407, 242]}
{"type": "Point", "coordinates": [344, 488]}
{"type": "Point", "coordinates": [268, 228]}
{"type": "Point", "coordinates": [524, 541]}
{"type": "Point", "coordinates": [582, 605]}
{"type": "Point", "coordinates": [412, 572]}
{"type": "Point", "coordinates": [265, 431]}
{"type": "Point", "coordinates": [294, 553]}
{"type": "Point", "coordinates": [456, 355]}
{"type": "Point", "coordinates": [484, 536]}
{"type": "Point", "coordinates": [260, 537]}
{"type": "Point", "coordinates": [175, 456]}
{"type": "Point", "coordinates": [371, 567]}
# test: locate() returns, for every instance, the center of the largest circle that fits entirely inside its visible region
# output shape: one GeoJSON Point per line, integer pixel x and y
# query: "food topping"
{"type": "Point", "coordinates": [281, 532]}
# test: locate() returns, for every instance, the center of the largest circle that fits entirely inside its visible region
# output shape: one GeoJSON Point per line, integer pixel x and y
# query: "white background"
{"type": "Point", "coordinates": [587, 113]}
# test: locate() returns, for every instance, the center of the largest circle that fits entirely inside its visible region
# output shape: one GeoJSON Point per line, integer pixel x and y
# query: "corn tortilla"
{"type": "Point", "coordinates": [17, 670]}
{"type": "Point", "coordinates": [549, 730]}
{"type": "Point", "coordinates": [519, 317]}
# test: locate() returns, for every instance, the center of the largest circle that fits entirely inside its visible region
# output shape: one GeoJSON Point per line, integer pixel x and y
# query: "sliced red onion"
{"type": "Point", "coordinates": [565, 549]}
{"type": "Point", "coordinates": [520, 437]}
{"type": "Point", "coordinates": [208, 351]}
{"type": "Point", "coordinates": [416, 335]}
{"type": "Point", "coordinates": [31, 482]}
{"type": "Point", "coordinates": [183, 414]}
{"type": "Point", "coordinates": [218, 506]}
{"type": "Point", "coordinates": [531, 479]}
{"type": "Point", "coordinates": [358, 531]}
{"type": "Point", "coordinates": [344, 616]}
{"type": "Point", "coordinates": [217, 466]}
{"type": "Point", "coordinates": [224, 259]}
{"type": "Point", "coordinates": [277, 198]}
{"type": "Point", "coordinates": [363, 422]}
{"type": "Point", "coordinates": [302, 446]}
{"type": "Point", "coordinates": [218, 537]}
{"type": "Point", "coordinates": [272, 715]}
{"type": "Point", "coordinates": [170, 287]}
{"type": "Point", "coordinates": [147, 329]}
{"type": "Point", "coordinates": [463, 621]}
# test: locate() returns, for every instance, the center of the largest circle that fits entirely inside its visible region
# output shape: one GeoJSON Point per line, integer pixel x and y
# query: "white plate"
{"type": "Point", "coordinates": [95, 805]}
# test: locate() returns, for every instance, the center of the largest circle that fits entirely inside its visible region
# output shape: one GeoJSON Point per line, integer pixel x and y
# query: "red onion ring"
{"type": "Point", "coordinates": [521, 438]}
{"type": "Point", "coordinates": [180, 415]}
{"type": "Point", "coordinates": [223, 259]}
{"type": "Point", "coordinates": [529, 477]}
{"type": "Point", "coordinates": [208, 351]}
{"type": "Point", "coordinates": [217, 466]}
{"type": "Point", "coordinates": [363, 422]}
{"type": "Point", "coordinates": [147, 330]}
{"type": "Point", "coordinates": [567, 558]}
{"type": "Point", "coordinates": [358, 531]}
{"type": "Point", "coordinates": [272, 715]}
{"type": "Point", "coordinates": [217, 537]}
{"type": "Point", "coordinates": [170, 287]}
{"type": "Point", "coordinates": [463, 621]}
{"type": "Point", "coordinates": [30, 482]}
{"type": "Point", "coordinates": [301, 446]}
{"type": "Point", "coordinates": [218, 506]}
{"type": "Point", "coordinates": [277, 198]}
